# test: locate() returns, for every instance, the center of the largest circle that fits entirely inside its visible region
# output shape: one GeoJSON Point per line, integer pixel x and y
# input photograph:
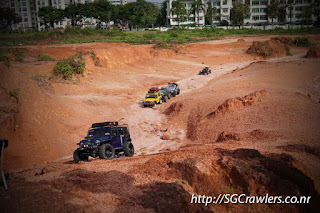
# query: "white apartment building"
{"type": "Point", "coordinates": [258, 9]}
{"type": "Point", "coordinates": [28, 10]}
{"type": "Point", "coordinates": [190, 18]}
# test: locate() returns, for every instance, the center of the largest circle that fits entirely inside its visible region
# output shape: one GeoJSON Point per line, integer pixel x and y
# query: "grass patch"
{"type": "Point", "coordinates": [302, 42]}
{"type": "Point", "coordinates": [16, 93]}
{"type": "Point", "coordinates": [66, 67]}
{"type": "Point", "coordinates": [44, 57]}
{"type": "Point", "coordinates": [174, 35]}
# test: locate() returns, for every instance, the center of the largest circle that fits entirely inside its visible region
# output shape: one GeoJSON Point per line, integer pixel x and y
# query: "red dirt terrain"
{"type": "Point", "coordinates": [251, 126]}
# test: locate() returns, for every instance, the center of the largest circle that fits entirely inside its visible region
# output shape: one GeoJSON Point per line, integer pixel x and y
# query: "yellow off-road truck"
{"type": "Point", "coordinates": [152, 99]}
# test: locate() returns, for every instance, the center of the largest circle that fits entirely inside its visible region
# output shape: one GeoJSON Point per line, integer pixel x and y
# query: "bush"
{"type": "Point", "coordinates": [68, 66]}
{"type": "Point", "coordinates": [6, 60]}
{"type": "Point", "coordinates": [44, 57]}
{"type": "Point", "coordinates": [302, 42]}
{"type": "Point", "coordinates": [288, 51]}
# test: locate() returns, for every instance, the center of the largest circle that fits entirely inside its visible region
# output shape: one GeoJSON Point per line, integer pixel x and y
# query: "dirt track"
{"type": "Point", "coordinates": [53, 116]}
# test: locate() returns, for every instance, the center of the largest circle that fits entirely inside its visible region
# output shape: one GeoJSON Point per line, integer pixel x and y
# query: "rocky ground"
{"type": "Point", "coordinates": [252, 126]}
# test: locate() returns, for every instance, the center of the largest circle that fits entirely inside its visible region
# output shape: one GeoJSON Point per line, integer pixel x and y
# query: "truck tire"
{"type": "Point", "coordinates": [178, 92]}
{"type": "Point", "coordinates": [106, 151]}
{"type": "Point", "coordinates": [77, 157]}
{"type": "Point", "coordinates": [174, 94]}
{"type": "Point", "coordinates": [165, 98]}
{"type": "Point", "coordinates": [128, 149]}
{"type": "Point", "coordinates": [160, 101]}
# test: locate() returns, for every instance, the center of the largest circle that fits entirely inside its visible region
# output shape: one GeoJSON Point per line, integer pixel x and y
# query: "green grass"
{"type": "Point", "coordinates": [44, 57]}
{"type": "Point", "coordinates": [175, 35]}
{"type": "Point", "coordinates": [66, 67]}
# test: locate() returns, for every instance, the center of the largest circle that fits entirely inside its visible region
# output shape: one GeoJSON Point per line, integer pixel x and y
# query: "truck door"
{"type": "Point", "coordinates": [121, 133]}
{"type": "Point", "coordinates": [116, 141]}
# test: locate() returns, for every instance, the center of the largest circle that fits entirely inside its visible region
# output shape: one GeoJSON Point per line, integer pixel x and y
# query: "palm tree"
{"type": "Point", "coordinates": [197, 6]}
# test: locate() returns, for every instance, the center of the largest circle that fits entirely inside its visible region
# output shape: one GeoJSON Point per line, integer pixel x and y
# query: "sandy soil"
{"type": "Point", "coordinates": [248, 102]}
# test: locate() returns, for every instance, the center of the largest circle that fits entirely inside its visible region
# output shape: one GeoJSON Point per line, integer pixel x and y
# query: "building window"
{"type": "Point", "coordinates": [225, 10]}
{"type": "Point", "coordinates": [25, 14]}
{"type": "Point", "coordinates": [216, 3]}
{"type": "Point", "coordinates": [255, 18]}
{"type": "Point", "coordinates": [263, 2]}
{"type": "Point", "coordinates": [24, 3]}
{"type": "Point", "coordinates": [298, 1]}
{"type": "Point", "coordinates": [25, 19]}
{"type": "Point", "coordinates": [255, 3]}
{"type": "Point", "coordinates": [263, 18]}
{"type": "Point", "coordinates": [255, 10]}
{"type": "Point", "coordinates": [263, 10]}
{"type": "Point", "coordinates": [225, 2]}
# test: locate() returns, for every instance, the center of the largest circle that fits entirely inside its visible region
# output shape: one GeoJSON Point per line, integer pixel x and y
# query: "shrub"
{"type": "Point", "coordinates": [93, 54]}
{"type": "Point", "coordinates": [288, 51]}
{"type": "Point", "coordinates": [6, 60]}
{"type": "Point", "coordinates": [44, 57]}
{"type": "Point", "coordinates": [302, 42]}
{"type": "Point", "coordinates": [68, 66]}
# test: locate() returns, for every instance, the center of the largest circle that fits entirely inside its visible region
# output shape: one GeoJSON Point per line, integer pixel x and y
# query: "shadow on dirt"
{"type": "Point", "coordinates": [158, 196]}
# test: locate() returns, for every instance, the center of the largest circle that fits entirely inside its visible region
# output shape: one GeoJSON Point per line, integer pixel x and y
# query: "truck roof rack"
{"type": "Point", "coordinates": [95, 125]}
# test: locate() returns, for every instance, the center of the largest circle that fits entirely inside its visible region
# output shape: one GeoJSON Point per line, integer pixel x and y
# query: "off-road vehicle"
{"type": "Point", "coordinates": [106, 141]}
{"type": "Point", "coordinates": [152, 99]}
{"type": "Point", "coordinates": [205, 71]}
{"type": "Point", "coordinates": [173, 88]}
{"type": "Point", "coordinates": [165, 94]}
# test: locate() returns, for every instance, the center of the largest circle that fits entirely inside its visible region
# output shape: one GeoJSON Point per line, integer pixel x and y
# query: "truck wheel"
{"type": "Point", "coordinates": [154, 104]}
{"type": "Point", "coordinates": [128, 149]}
{"type": "Point", "coordinates": [160, 101]}
{"type": "Point", "coordinates": [106, 151]}
{"type": "Point", "coordinates": [77, 157]}
{"type": "Point", "coordinates": [165, 99]}
{"type": "Point", "coordinates": [178, 92]}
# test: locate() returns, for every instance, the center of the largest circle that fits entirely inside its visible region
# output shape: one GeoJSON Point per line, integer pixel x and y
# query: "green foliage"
{"type": "Point", "coordinates": [50, 15]}
{"type": "Point", "coordinates": [288, 51]}
{"type": "Point", "coordinates": [273, 10]}
{"type": "Point", "coordinates": [93, 54]}
{"type": "Point", "coordinates": [68, 66]}
{"type": "Point", "coordinates": [239, 12]}
{"type": "Point", "coordinates": [6, 60]}
{"type": "Point", "coordinates": [185, 182]}
{"type": "Point", "coordinates": [16, 93]}
{"type": "Point", "coordinates": [8, 17]}
{"type": "Point", "coordinates": [44, 57]}
{"type": "Point", "coordinates": [197, 6]}
{"type": "Point", "coordinates": [302, 42]}
{"type": "Point", "coordinates": [179, 10]}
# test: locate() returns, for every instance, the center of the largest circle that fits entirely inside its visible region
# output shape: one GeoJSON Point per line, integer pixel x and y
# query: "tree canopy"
{"type": "Point", "coordinates": [8, 17]}
{"type": "Point", "coordinates": [239, 12]}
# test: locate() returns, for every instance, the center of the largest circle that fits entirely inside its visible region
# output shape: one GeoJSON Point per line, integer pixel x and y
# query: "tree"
{"type": "Point", "coordinates": [75, 12]}
{"type": "Point", "coordinates": [211, 14]}
{"type": "Point", "coordinates": [179, 10]}
{"type": "Point", "coordinates": [8, 17]}
{"type": "Point", "coordinates": [162, 18]}
{"type": "Point", "coordinates": [140, 13]}
{"type": "Point", "coordinates": [306, 15]}
{"type": "Point", "coordinates": [196, 7]}
{"type": "Point", "coordinates": [102, 10]}
{"type": "Point", "coordinates": [273, 10]}
{"type": "Point", "coordinates": [290, 5]}
{"type": "Point", "coordinates": [239, 12]}
{"type": "Point", "coordinates": [50, 15]}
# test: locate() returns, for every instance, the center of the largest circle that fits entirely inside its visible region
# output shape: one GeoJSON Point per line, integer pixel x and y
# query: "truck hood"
{"type": "Point", "coordinates": [150, 99]}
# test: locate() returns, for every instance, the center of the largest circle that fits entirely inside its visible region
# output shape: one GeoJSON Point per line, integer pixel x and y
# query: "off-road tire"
{"type": "Point", "coordinates": [106, 151]}
{"type": "Point", "coordinates": [178, 92]}
{"type": "Point", "coordinates": [154, 104]}
{"type": "Point", "coordinates": [165, 99]}
{"type": "Point", "coordinates": [128, 149]}
{"type": "Point", "coordinates": [174, 94]}
{"type": "Point", "coordinates": [77, 156]}
{"type": "Point", "coordinates": [160, 101]}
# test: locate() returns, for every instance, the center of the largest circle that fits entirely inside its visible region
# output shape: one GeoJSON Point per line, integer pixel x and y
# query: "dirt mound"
{"type": "Point", "coordinates": [284, 40]}
{"type": "Point", "coordinates": [223, 136]}
{"type": "Point", "coordinates": [313, 53]}
{"type": "Point", "coordinates": [302, 148]}
{"type": "Point", "coordinates": [257, 134]}
{"type": "Point", "coordinates": [234, 104]}
{"type": "Point", "coordinates": [240, 40]}
{"type": "Point", "coordinates": [174, 108]}
{"type": "Point", "coordinates": [271, 48]}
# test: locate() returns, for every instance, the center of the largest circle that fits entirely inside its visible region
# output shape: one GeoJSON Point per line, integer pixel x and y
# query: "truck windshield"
{"type": "Point", "coordinates": [98, 132]}
{"type": "Point", "coordinates": [151, 96]}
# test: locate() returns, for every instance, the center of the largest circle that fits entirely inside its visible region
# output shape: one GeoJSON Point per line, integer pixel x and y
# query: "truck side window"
{"type": "Point", "coordinates": [120, 131]}
{"type": "Point", "coordinates": [114, 131]}
{"type": "Point", "coordinates": [125, 131]}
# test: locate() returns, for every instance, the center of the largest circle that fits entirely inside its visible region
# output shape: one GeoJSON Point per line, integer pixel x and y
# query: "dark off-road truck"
{"type": "Point", "coordinates": [166, 95]}
{"type": "Point", "coordinates": [173, 88]}
{"type": "Point", "coordinates": [106, 141]}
